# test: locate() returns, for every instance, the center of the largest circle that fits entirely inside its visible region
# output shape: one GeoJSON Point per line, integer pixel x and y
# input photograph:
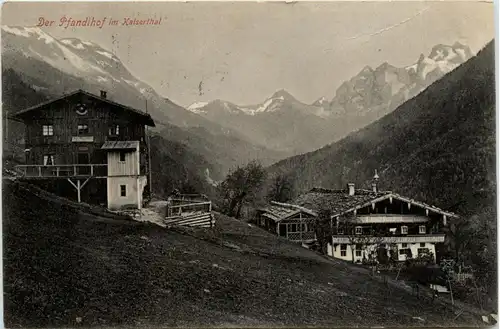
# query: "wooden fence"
{"type": "Point", "coordinates": [189, 212]}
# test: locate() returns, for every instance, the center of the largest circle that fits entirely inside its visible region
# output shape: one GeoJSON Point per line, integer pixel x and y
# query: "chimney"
{"type": "Point", "coordinates": [375, 182]}
{"type": "Point", "coordinates": [103, 94]}
{"type": "Point", "coordinates": [351, 188]}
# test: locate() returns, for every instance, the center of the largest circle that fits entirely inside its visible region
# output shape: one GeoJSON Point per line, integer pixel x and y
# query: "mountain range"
{"type": "Point", "coordinates": [438, 147]}
{"type": "Point", "coordinates": [206, 140]}
{"type": "Point", "coordinates": [283, 123]}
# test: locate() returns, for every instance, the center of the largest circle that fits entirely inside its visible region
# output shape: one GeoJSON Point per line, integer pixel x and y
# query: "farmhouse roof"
{"type": "Point", "coordinates": [148, 120]}
{"type": "Point", "coordinates": [340, 201]}
{"type": "Point", "coordinates": [279, 211]}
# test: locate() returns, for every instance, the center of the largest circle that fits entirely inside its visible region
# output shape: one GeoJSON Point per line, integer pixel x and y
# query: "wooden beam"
{"type": "Point", "coordinates": [84, 183]}
{"type": "Point", "coordinates": [79, 188]}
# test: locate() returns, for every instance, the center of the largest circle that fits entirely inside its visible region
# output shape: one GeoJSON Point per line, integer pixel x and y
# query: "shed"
{"type": "Point", "coordinates": [290, 221]}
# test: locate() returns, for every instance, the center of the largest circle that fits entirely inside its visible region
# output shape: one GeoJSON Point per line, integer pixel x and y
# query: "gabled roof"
{"type": "Point", "coordinates": [337, 201]}
{"type": "Point", "coordinates": [340, 202]}
{"type": "Point", "coordinates": [145, 116]}
{"type": "Point", "coordinates": [279, 211]}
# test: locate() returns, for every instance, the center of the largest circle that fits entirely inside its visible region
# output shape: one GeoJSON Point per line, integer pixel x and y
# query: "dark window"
{"type": "Point", "coordinates": [83, 129]}
{"type": "Point", "coordinates": [422, 245]}
{"type": "Point", "coordinates": [48, 130]}
{"type": "Point", "coordinates": [358, 253]}
{"type": "Point", "coordinates": [48, 160]}
{"type": "Point", "coordinates": [423, 251]}
{"type": "Point", "coordinates": [114, 130]}
{"type": "Point", "coordinates": [122, 156]}
{"type": "Point", "coordinates": [343, 250]}
{"type": "Point", "coordinates": [123, 190]}
{"type": "Point", "coordinates": [406, 252]}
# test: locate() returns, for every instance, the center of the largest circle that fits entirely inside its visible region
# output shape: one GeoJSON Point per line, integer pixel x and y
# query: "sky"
{"type": "Point", "coordinates": [243, 52]}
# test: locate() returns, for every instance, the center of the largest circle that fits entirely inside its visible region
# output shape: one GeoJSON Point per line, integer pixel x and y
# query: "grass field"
{"type": "Point", "coordinates": [67, 268]}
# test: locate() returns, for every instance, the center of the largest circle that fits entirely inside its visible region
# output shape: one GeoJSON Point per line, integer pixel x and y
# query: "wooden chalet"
{"type": "Point", "coordinates": [88, 146]}
{"type": "Point", "coordinates": [290, 221]}
{"type": "Point", "coordinates": [372, 223]}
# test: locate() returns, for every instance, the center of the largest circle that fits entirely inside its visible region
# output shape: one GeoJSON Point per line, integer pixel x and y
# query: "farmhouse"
{"type": "Point", "coordinates": [87, 146]}
{"type": "Point", "coordinates": [290, 221]}
{"type": "Point", "coordinates": [372, 224]}
{"type": "Point", "coordinates": [365, 224]}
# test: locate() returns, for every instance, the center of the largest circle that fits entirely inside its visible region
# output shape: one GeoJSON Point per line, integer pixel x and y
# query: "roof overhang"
{"type": "Point", "coordinates": [293, 211]}
{"type": "Point", "coordinates": [400, 198]}
{"type": "Point", "coordinates": [120, 145]}
{"type": "Point", "coordinates": [144, 118]}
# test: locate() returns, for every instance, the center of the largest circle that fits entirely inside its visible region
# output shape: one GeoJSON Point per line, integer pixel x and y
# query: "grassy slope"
{"type": "Point", "coordinates": [60, 265]}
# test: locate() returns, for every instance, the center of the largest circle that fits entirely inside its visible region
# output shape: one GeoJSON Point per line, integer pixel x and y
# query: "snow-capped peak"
{"type": "Point", "coordinates": [197, 107]}
{"type": "Point", "coordinates": [442, 58]}
{"type": "Point", "coordinates": [320, 102]}
{"type": "Point", "coordinates": [75, 43]}
{"type": "Point", "coordinates": [28, 32]}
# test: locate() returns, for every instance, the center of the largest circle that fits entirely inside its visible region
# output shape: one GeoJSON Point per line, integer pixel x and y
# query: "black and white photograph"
{"type": "Point", "coordinates": [293, 164]}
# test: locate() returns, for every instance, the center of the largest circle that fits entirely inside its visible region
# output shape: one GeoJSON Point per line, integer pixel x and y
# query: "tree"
{"type": "Point", "coordinates": [241, 186]}
{"type": "Point", "coordinates": [281, 188]}
{"type": "Point", "coordinates": [323, 229]}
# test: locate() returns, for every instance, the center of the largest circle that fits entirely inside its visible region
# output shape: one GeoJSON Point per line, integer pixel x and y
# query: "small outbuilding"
{"type": "Point", "coordinates": [290, 221]}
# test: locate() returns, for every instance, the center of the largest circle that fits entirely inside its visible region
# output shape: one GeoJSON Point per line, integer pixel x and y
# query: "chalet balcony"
{"type": "Point", "coordinates": [430, 238]}
{"type": "Point", "coordinates": [389, 219]}
{"type": "Point", "coordinates": [63, 171]}
{"type": "Point", "coordinates": [82, 139]}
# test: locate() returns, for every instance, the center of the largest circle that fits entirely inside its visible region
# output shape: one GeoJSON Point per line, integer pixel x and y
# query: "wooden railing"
{"type": "Point", "coordinates": [184, 212]}
{"type": "Point", "coordinates": [179, 209]}
{"type": "Point", "coordinates": [62, 171]}
{"type": "Point", "coordinates": [432, 238]}
{"type": "Point", "coordinates": [389, 218]}
{"type": "Point", "coordinates": [301, 236]}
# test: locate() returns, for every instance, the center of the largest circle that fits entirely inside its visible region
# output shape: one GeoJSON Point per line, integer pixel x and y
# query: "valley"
{"type": "Point", "coordinates": [230, 170]}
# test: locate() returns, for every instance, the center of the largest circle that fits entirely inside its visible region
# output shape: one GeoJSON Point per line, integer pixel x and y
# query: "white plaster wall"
{"type": "Point", "coordinates": [115, 200]}
{"type": "Point", "coordinates": [414, 250]}
{"type": "Point", "coordinates": [335, 251]}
